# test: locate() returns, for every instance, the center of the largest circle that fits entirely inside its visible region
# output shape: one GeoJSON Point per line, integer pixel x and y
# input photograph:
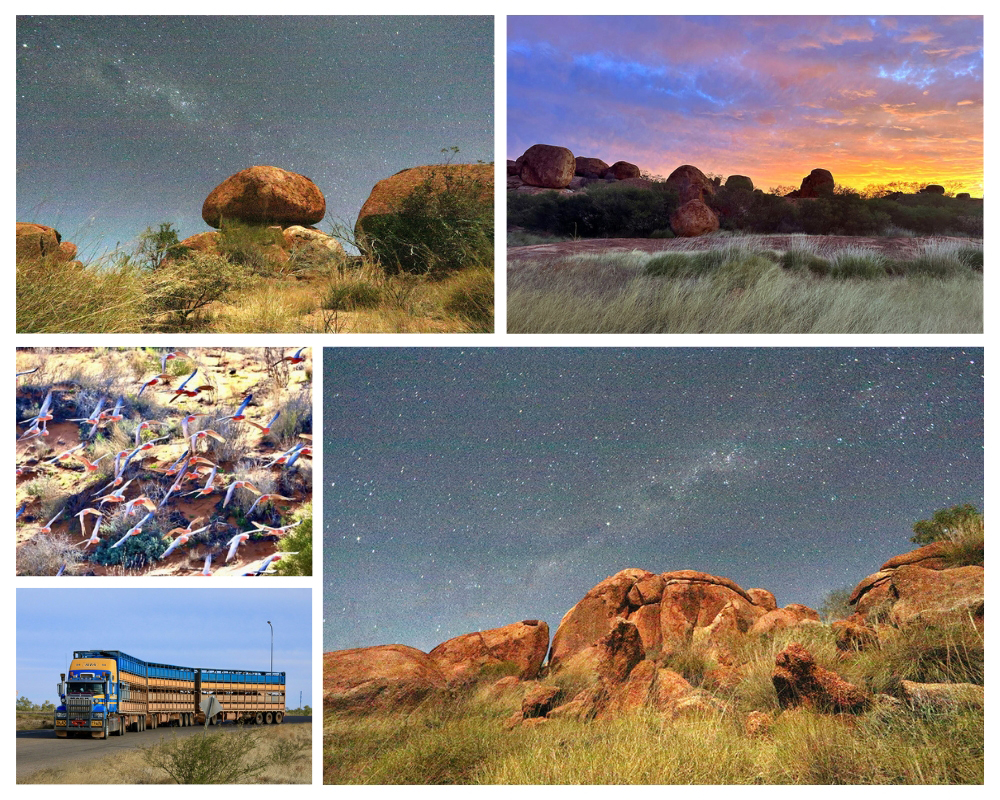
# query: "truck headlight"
{"type": "Point", "coordinates": [60, 715]}
{"type": "Point", "coordinates": [98, 715]}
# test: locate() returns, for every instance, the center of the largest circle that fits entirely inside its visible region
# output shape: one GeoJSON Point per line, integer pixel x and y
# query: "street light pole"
{"type": "Point", "coordinates": [272, 644]}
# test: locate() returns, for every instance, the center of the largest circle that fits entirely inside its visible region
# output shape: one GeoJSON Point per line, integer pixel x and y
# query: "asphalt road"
{"type": "Point", "coordinates": [42, 750]}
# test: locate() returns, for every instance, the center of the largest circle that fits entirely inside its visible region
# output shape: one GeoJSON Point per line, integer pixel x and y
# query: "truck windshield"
{"type": "Point", "coordinates": [85, 687]}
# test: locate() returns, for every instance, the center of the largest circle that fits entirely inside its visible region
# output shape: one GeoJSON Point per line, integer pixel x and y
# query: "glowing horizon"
{"type": "Point", "coordinates": [874, 100]}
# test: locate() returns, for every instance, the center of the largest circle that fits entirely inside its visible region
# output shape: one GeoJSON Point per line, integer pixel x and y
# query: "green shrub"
{"type": "Point", "coordinates": [250, 246]}
{"type": "Point", "coordinates": [298, 542]}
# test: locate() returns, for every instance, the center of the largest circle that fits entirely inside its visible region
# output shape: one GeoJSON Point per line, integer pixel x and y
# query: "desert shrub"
{"type": "Point", "coordinates": [470, 297]}
{"type": "Point", "coordinates": [352, 295]}
{"type": "Point", "coordinates": [136, 551]}
{"type": "Point", "coordinates": [844, 214]}
{"type": "Point", "coordinates": [857, 263]}
{"type": "Point", "coordinates": [931, 215]}
{"type": "Point", "coordinates": [208, 758]}
{"type": "Point", "coordinates": [436, 230]}
{"type": "Point", "coordinates": [45, 555]}
{"type": "Point", "coordinates": [604, 210]}
{"type": "Point", "coordinates": [250, 246]}
{"type": "Point", "coordinates": [191, 284]}
{"type": "Point", "coordinates": [971, 256]}
{"type": "Point", "coordinates": [662, 233]}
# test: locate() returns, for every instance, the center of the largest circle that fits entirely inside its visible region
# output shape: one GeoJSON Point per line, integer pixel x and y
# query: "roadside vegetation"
{"type": "Point", "coordinates": [461, 739]}
{"type": "Point", "coordinates": [277, 754]}
{"type": "Point", "coordinates": [739, 287]}
{"type": "Point", "coordinates": [427, 270]}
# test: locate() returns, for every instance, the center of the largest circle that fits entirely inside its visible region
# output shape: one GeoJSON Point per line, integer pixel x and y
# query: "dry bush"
{"type": "Point", "coordinates": [46, 554]}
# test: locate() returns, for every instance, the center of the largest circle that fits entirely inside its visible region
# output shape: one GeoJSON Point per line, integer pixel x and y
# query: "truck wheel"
{"type": "Point", "coordinates": [268, 718]}
{"type": "Point", "coordinates": [258, 718]}
{"type": "Point", "coordinates": [142, 723]}
{"type": "Point", "coordinates": [278, 716]}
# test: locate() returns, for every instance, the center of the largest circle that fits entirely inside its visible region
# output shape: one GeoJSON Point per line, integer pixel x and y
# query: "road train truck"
{"type": "Point", "coordinates": [110, 692]}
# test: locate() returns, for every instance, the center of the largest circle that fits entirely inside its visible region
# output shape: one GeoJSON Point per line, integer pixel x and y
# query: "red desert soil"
{"type": "Point", "coordinates": [895, 247]}
{"type": "Point", "coordinates": [231, 372]}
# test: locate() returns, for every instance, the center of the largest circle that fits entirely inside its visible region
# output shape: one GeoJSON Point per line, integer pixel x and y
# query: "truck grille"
{"type": "Point", "coordinates": [78, 707]}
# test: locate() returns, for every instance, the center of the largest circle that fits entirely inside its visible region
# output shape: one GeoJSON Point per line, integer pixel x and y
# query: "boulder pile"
{"type": "Point", "coordinates": [619, 645]}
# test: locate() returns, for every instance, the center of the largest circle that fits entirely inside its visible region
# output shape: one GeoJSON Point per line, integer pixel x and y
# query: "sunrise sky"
{"type": "Point", "coordinates": [872, 99]}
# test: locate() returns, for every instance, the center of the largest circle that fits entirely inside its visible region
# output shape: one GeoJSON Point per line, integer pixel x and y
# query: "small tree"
{"type": "Point", "coordinates": [203, 278]}
{"type": "Point", "coordinates": [943, 523]}
{"type": "Point", "coordinates": [835, 605]}
{"type": "Point", "coordinates": [24, 704]}
{"type": "Point", "coordinates": [155, 247]}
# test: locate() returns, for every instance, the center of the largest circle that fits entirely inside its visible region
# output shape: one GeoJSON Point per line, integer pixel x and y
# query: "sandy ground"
{"type": "Point", "coordinates": [824, 245]}
{"type": "Point", "coordinates": [230, 374]}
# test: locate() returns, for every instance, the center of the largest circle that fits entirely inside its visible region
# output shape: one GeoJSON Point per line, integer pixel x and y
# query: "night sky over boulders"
{"type": "Point", "coordinates": [126, 122]}
{"type": "Point", "coordinates": [469, 489]}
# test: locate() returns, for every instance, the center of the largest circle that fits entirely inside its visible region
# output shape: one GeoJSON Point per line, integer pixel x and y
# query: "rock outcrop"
{"type": "Point", "coordinates": [547, 165]}
{"type": "Point", "coordinates": [36, 241]}
{"type": "Point", "coordinates": [379, 678]}
{"type": "Point", "coordinates": [932, 188]}
{"type": "Point", "coordinates": [693, 218]}
{"type": "Point", "coordinates": [521, 646]}
{"type": "Point", "coordinates": [265, 195]}
{"type": "Point", "coordinates": [943, 697]}
{"type": "Point", "coordinates": [790, 616]}
{"type": "Point", "coordinates": [919, 587]}
{"type": "Point", "coordinates": [669, 611]}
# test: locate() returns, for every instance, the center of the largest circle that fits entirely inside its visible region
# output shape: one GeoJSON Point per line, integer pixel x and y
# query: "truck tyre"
{"type": "Point", "coordinates": [258, 718]}
{"type": "Point", "coordinates": [268, 718]}
{"type": "Point", "coordinates": [278, 716]}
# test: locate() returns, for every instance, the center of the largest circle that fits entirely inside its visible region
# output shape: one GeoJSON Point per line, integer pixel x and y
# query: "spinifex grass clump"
{"type": "Point", "coordinates": [858, 263]}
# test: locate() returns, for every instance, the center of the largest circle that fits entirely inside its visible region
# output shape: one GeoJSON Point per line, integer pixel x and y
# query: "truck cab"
{"type": "Point", "coordinates": [88, 701]}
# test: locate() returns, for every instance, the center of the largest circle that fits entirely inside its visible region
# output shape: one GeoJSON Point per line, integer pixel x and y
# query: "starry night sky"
{"type": "Point", "coordinates": [127, 122]}
{"type": "Point", "coordinates": [468, 489]}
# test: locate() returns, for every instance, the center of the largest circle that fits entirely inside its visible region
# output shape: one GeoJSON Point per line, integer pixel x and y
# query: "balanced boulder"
{"type": "Point", "coordinates": [265, 195]}
{"type": "Point", "coordinates": [547, 165]}
{"type": "Point", "coordinates": [691, 184]}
